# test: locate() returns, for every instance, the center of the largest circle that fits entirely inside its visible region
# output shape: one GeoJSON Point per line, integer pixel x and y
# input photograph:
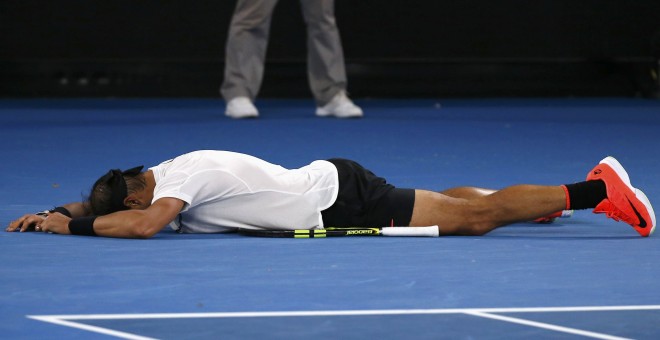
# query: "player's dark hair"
{"type": "Point", "coordinates": [109, 191]}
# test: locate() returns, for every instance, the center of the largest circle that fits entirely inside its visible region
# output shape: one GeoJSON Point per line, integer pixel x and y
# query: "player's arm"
{"type": "Point", "coordinates": [78, 209]}
{"type": "Point", "coordinates": [139, 223]}
{"type": "Point", "coordinates": [125, 224]}
{"type": "Point", "coordinates": [28, 222]}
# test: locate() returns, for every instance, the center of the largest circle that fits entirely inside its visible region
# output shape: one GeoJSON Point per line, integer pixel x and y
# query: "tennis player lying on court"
{"type": "Point", "coordinates": [220, 191]}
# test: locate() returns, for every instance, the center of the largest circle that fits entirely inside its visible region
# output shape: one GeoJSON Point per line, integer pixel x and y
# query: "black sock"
{"type": "Point", "coordinates": [585, 195]}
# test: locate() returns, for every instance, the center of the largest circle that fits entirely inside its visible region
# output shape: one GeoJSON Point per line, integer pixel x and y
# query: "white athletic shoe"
{"type": "Point", "coordinates": [340, 106]}
{"type": "Point", "coordinates": [241, 107]}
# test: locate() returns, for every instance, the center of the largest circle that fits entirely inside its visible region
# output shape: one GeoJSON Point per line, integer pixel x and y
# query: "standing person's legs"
{"type": "Point", "coordinates": [246, 48]}
{"type": "Point", "coordinates": [325, 56]}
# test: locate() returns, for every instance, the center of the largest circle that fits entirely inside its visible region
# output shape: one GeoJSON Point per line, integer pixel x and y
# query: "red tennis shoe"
{"type": "Point", "coordinates": [624, 202]}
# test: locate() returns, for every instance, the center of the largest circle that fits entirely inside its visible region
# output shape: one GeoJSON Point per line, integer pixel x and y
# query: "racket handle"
{"type": "Point", "coordinates": [430, 231]}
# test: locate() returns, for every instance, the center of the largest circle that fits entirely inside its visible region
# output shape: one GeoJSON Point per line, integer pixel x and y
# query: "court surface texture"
{"type": "Point", "coordinates": [581, 277]}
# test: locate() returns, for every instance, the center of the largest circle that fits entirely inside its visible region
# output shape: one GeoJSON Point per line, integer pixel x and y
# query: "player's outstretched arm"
{"type": "Point", "coordinates": [78, 209]}
{"type": "Point", "coordinates": [139, 223]}
{"type": "Point", "coordinates": [31, 222]}
{"type": "Point", "coordinates": [125, 224]}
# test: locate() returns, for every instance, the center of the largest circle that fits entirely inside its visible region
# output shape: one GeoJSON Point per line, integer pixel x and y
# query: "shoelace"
{"type": "Point", "coordinates": [614, 213]}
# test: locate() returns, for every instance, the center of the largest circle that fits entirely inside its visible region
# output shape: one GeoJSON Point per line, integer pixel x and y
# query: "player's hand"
{"type": "Point", "coordinates": [26, 223]}
{"type": "Point", "coordinates": [55, 223]}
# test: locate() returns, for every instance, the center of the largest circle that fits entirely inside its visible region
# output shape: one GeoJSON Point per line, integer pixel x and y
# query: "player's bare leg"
{"type": "Point", "coordinates": [474, 192]}
{"type": "Point", "coordinates": [480, 215]}
{"type": "Point", "coordinates": [467, 192]}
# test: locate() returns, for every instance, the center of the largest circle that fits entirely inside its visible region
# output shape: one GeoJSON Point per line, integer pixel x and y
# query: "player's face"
{"type": "Point", "coordinates": [142, 199]}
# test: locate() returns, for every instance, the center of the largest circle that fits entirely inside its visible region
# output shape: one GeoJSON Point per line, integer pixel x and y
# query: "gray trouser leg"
{"type": "Point", "coordinates": [325, 57]}
{"type": "Point", "coordinates": [246, 48]}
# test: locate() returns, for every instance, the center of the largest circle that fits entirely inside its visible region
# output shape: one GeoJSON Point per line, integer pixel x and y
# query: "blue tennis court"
{"type": "Point", "coordinates": [584, 276]}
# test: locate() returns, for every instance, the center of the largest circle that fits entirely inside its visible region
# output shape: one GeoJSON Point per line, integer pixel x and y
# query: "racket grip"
{"type": "Point", "coordinates": [430, 231]}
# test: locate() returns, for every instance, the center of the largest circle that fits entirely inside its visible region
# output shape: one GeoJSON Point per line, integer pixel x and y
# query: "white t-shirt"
{"type": "Point", "coordinates": [226, 190]}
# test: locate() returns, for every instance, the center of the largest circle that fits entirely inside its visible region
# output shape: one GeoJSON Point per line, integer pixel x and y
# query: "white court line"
{"type": "Point", "coordinates": [346, 312]}
{"type": "Point", "coordinates": [548, 326]}
{"type": "Point", "coordinates": [68, 320]}
{"type": "Point", "coordinates": [101, 330]}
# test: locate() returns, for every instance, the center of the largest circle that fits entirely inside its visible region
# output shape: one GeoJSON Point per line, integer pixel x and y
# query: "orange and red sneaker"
{"type": "Point", "coordinates": [624, 202]}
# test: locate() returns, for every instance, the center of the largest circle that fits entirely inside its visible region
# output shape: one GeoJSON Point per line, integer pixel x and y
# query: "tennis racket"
{"type": "Point", "coordinates": [430, 231]}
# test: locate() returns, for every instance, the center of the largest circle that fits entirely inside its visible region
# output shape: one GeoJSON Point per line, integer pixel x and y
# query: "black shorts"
{"type": "Point", "coordinates": [366, 200]}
